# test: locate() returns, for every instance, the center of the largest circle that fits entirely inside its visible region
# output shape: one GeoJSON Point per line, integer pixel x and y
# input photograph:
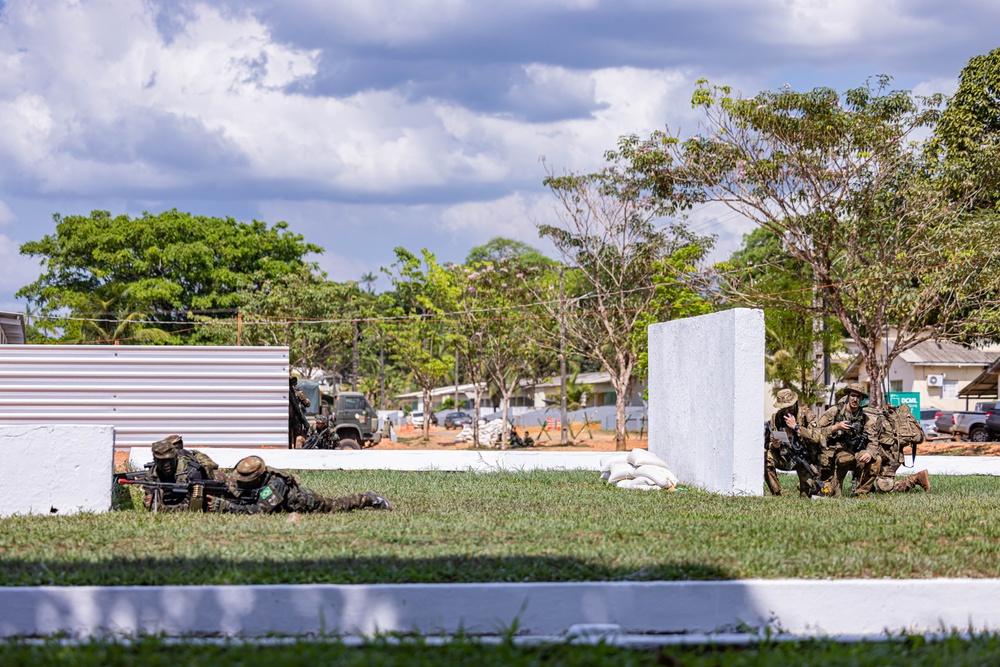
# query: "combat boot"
{"type": "Point", "coordinates": [922, 480]}
{"type": "Point", "coordinates": [375, 501]}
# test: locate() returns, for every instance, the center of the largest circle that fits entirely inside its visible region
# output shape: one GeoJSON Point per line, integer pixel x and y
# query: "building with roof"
{"type": "Point", "coordinates": [938, 370]}
{"type": "Point", "coordinates": [531, 395]}
{"type": "Point", "coordinates": [12, 329]}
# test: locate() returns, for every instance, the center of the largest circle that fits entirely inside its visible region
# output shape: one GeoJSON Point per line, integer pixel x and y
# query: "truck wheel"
{"type": "Point", "coordinates": [347, 443]}
{"type": "Point", "coordinates": [979, 434]}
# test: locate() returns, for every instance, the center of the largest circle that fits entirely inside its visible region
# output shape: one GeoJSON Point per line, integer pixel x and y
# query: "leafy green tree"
{"type": "Point", "coordinates": [418, 333]}
{"type": "Point", "coordinates": [500, 249]}
{"type": "Point", "coordinates": [794, 334]}
{"type": "Point", "coordinates": [499, 327]}
{"type": "Point", "coordinates": [162, 266]}
{"type": "Point", "coordinates": [965, 146]}
{"type": "Point", "coordinates": [608, 234]}
{"type": "Point", "coordinates": [838, 181]}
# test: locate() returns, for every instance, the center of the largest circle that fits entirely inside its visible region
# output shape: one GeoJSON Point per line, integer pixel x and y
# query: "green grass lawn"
{"type": "Point", "coordinates": [909, 651]}
{"type": "Point", "coordinates": [538, 526]}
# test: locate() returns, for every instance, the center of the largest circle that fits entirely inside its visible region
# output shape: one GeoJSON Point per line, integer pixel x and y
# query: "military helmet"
{"type": "Point", "coordinates": [168, 447]}
{"type": "Point", "coordinates": [857, 388]}
{"type": "Point", "coordinates": [249, 469]}
{"type": "Point", "coordinates": [785, 398]}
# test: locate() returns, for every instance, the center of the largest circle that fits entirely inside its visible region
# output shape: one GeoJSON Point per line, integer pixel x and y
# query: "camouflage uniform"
{"type": "Point", "coordinates": [299, 427]}
{"type": "Point", "coordinates": [876, 474]}
{"type": "Point", "coordinates": [280, 491]}
{"type": "Point", "coordinates": [173, 463]}
{"type": "Point", "coordinates": [879, 473]}
{"type": "Point", "coordinates": [808, 435]}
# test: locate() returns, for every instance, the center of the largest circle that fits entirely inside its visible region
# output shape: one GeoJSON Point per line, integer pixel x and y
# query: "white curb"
{"type": "Point", "coordinates": [495, 460]}
{"type": "Point", "coordinates": [863, 608]}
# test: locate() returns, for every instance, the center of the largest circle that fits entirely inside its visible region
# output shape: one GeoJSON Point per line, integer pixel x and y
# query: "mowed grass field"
{"type": "Point", "coordinates": [914, 651]}
{"type": "Point", "coordinates": [538, 526]}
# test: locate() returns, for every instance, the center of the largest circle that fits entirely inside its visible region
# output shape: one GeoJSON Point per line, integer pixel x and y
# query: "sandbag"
{"type": "Point", "coordinates": [657, 475]}
{"type": "Point", "coordinates": [621, 471]}
{"type": "Point", "coordinates": [640, 484]}
{"type": "Point", "coordinates": [641, 457]}
{"type": "Point", "coordinates": [608, 461]}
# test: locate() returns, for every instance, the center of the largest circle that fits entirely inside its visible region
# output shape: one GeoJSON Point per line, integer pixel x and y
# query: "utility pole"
{"type": "Point", "coordinates": [456, 375]}
{"type": "Point", "coordinates": [563, 414]}
{"type": "Point", "coordinates": [354, 357]}
{"type": "Point", "coordinates": [381, 373]}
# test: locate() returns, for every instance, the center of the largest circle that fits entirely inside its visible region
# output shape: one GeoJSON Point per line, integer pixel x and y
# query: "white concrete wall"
{"type": "Point", "coordinates": [56, 469]}
{"type": "Point", "coordinates": [706, 386]}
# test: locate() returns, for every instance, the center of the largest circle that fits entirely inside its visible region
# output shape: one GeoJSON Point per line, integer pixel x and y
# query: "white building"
{"type": "Point", "coordinates": [12, 331]}
{"type": "Point", "coordinates": [937, 370]}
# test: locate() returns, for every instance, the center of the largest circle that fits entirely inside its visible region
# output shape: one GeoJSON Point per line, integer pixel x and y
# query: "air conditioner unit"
{"type": "Point", "coordinates": [935, 380]}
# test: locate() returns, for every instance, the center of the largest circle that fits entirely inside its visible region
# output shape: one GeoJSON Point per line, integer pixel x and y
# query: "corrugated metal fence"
{"type": "Point", "coordinates": [212, 396]}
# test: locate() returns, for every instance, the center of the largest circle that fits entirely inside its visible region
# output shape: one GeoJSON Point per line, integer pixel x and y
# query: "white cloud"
{"type": "Point", "coordinates": [16, 271]}
{"type": "Point", "coordinates": [6, 215]}
{"type": "Point", "coordinates": [513, 216]}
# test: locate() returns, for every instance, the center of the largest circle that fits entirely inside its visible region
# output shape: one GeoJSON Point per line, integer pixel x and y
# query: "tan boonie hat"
{"type": "Point", "coordinates": [168, 447]}
{"type": "Point", "coordinates": [857, 388]}
{"type": "Point", "coordinates": [786, 398]}
{"type": "Point", "coordinates": [249, 469]}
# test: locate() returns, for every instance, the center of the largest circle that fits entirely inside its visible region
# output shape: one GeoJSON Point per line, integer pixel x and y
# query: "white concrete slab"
{"type": "Point", "coordinates": [374, 459]}
{"type": "Point", "coordinates": [56, 469]}
{"type": "Point", "coordinates": [706, 386]}
{"type": "Point", "coordinates": [489, 461]}
{"type": "Point", "coordinates": [850, 607]}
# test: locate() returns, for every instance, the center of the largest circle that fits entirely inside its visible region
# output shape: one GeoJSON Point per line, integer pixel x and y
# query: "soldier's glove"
{"type": "Point", "coordinates": [216, 504]}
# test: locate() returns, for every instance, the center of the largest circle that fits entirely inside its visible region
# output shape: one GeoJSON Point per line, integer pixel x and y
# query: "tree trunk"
{"type": "Point", "coordinates": [475, 414]}
{"type": "Point", "coordinates": [427, 412]}
{"type": "Point", "coordinates": [876, 373]}
{"type": "Point", "coordinates": [505, 425]}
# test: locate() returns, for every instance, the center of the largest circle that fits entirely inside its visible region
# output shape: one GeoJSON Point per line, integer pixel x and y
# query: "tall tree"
{"type": "Point", "coordinates": [167, 264]}
{"type": "Point", "coordinates": [608, 235]}
{"type": "Point", "coordinates": [499, 328]}
{"type": "Point", "coordinates": [420, 336]}
{"type": "Point", "coordinates": [838, 180]}
{"type": "Point", "coordinates": [793, 336]}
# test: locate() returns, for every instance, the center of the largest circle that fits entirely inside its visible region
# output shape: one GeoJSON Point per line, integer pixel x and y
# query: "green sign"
{"type": "Point", "coordinates": [910, 398]}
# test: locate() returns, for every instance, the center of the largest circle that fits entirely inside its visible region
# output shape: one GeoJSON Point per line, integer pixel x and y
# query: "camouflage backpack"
{"type": "Point", "coordinates": [905, 428]}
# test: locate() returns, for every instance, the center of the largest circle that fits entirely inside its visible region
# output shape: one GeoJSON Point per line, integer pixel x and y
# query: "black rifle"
{"type": "Point", "coordinates": [325, 439]}
{"type": "Point", "coordinates": [857, 440]}
{"type": "Point", "coordinates": [180, 490]}
{"type": "Point", "coordinates": [795, 452]}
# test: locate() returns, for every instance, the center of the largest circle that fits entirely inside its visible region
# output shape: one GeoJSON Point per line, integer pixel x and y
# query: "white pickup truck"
{"type": "Point", "coordinates": [972, 425]}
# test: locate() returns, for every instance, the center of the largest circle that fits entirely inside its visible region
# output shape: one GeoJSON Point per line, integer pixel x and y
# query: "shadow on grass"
{"type": "Point", "coordinates": [352, 570]}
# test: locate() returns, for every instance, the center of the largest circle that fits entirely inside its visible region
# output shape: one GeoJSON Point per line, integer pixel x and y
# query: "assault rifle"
{"type": "Point", "coordinates": [795, 452]}
{"type": "Point", "coordinates": [180, 490]}
{"type": "Point", "coordinates": [857, 440]}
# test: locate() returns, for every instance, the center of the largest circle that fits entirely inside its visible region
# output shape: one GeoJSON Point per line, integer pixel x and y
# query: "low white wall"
{"type": "Point", "coordinates": [760, 606]}
{"type": "Point", "coordinates": [56, 469]}
{"type": "Point", "coordinates": [706, 384]}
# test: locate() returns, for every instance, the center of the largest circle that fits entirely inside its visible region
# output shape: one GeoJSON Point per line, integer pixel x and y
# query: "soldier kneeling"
{"type": "Point", "coordinates": [275, 490]}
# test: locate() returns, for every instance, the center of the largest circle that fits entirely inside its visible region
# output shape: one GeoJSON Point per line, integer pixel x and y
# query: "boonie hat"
{"type": "Point", "coordinates": [249, 469]}
{"type": "Point", "coordinates": [786, 398]}
{"type": "Point", "coordinates": [168, 447]}
{"type": "Point", "coordinates": [857, 388]}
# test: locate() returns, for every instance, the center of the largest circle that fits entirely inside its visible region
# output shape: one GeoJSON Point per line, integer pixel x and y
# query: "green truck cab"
{"type": "Point", "coordinates": [344, 420]}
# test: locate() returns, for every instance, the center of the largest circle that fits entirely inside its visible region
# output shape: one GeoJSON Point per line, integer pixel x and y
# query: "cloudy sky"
{"type": "Point", "coordinates": [367, 124]}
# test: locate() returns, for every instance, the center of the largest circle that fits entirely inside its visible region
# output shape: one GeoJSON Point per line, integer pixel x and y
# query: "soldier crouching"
{"type": "Point", "coordinates": [798, 424]}
{"type": "Point", "coordinates": [275, 490]}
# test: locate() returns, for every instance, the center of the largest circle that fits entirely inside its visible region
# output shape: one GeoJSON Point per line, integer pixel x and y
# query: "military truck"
{"type": "Point", "coordinates": [351, 416]}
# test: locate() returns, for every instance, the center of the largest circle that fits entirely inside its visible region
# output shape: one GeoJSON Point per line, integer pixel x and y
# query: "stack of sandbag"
{"type": "Point", "coordinates": [638, 469]}
{"type": "Point", "coordinates": [489, 433]}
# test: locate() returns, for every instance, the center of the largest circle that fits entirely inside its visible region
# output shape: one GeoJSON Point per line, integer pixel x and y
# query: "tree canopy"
{"type": "Point", "coordinates": [163, 266]}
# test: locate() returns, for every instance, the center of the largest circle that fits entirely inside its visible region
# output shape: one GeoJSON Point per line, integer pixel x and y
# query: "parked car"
{"type": "Point", "coordinates": [457, 419]}
{"type": "Point", "coordinates": [943, 422]}
{"type": "Point", "coordinates": [927, 421]}
{"type": "Point", "coordinates": [993, 424]}
{"type": "Point", "coordinates": [972, 425]}
{"type": "Point", "coordinates": [417, 419]}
